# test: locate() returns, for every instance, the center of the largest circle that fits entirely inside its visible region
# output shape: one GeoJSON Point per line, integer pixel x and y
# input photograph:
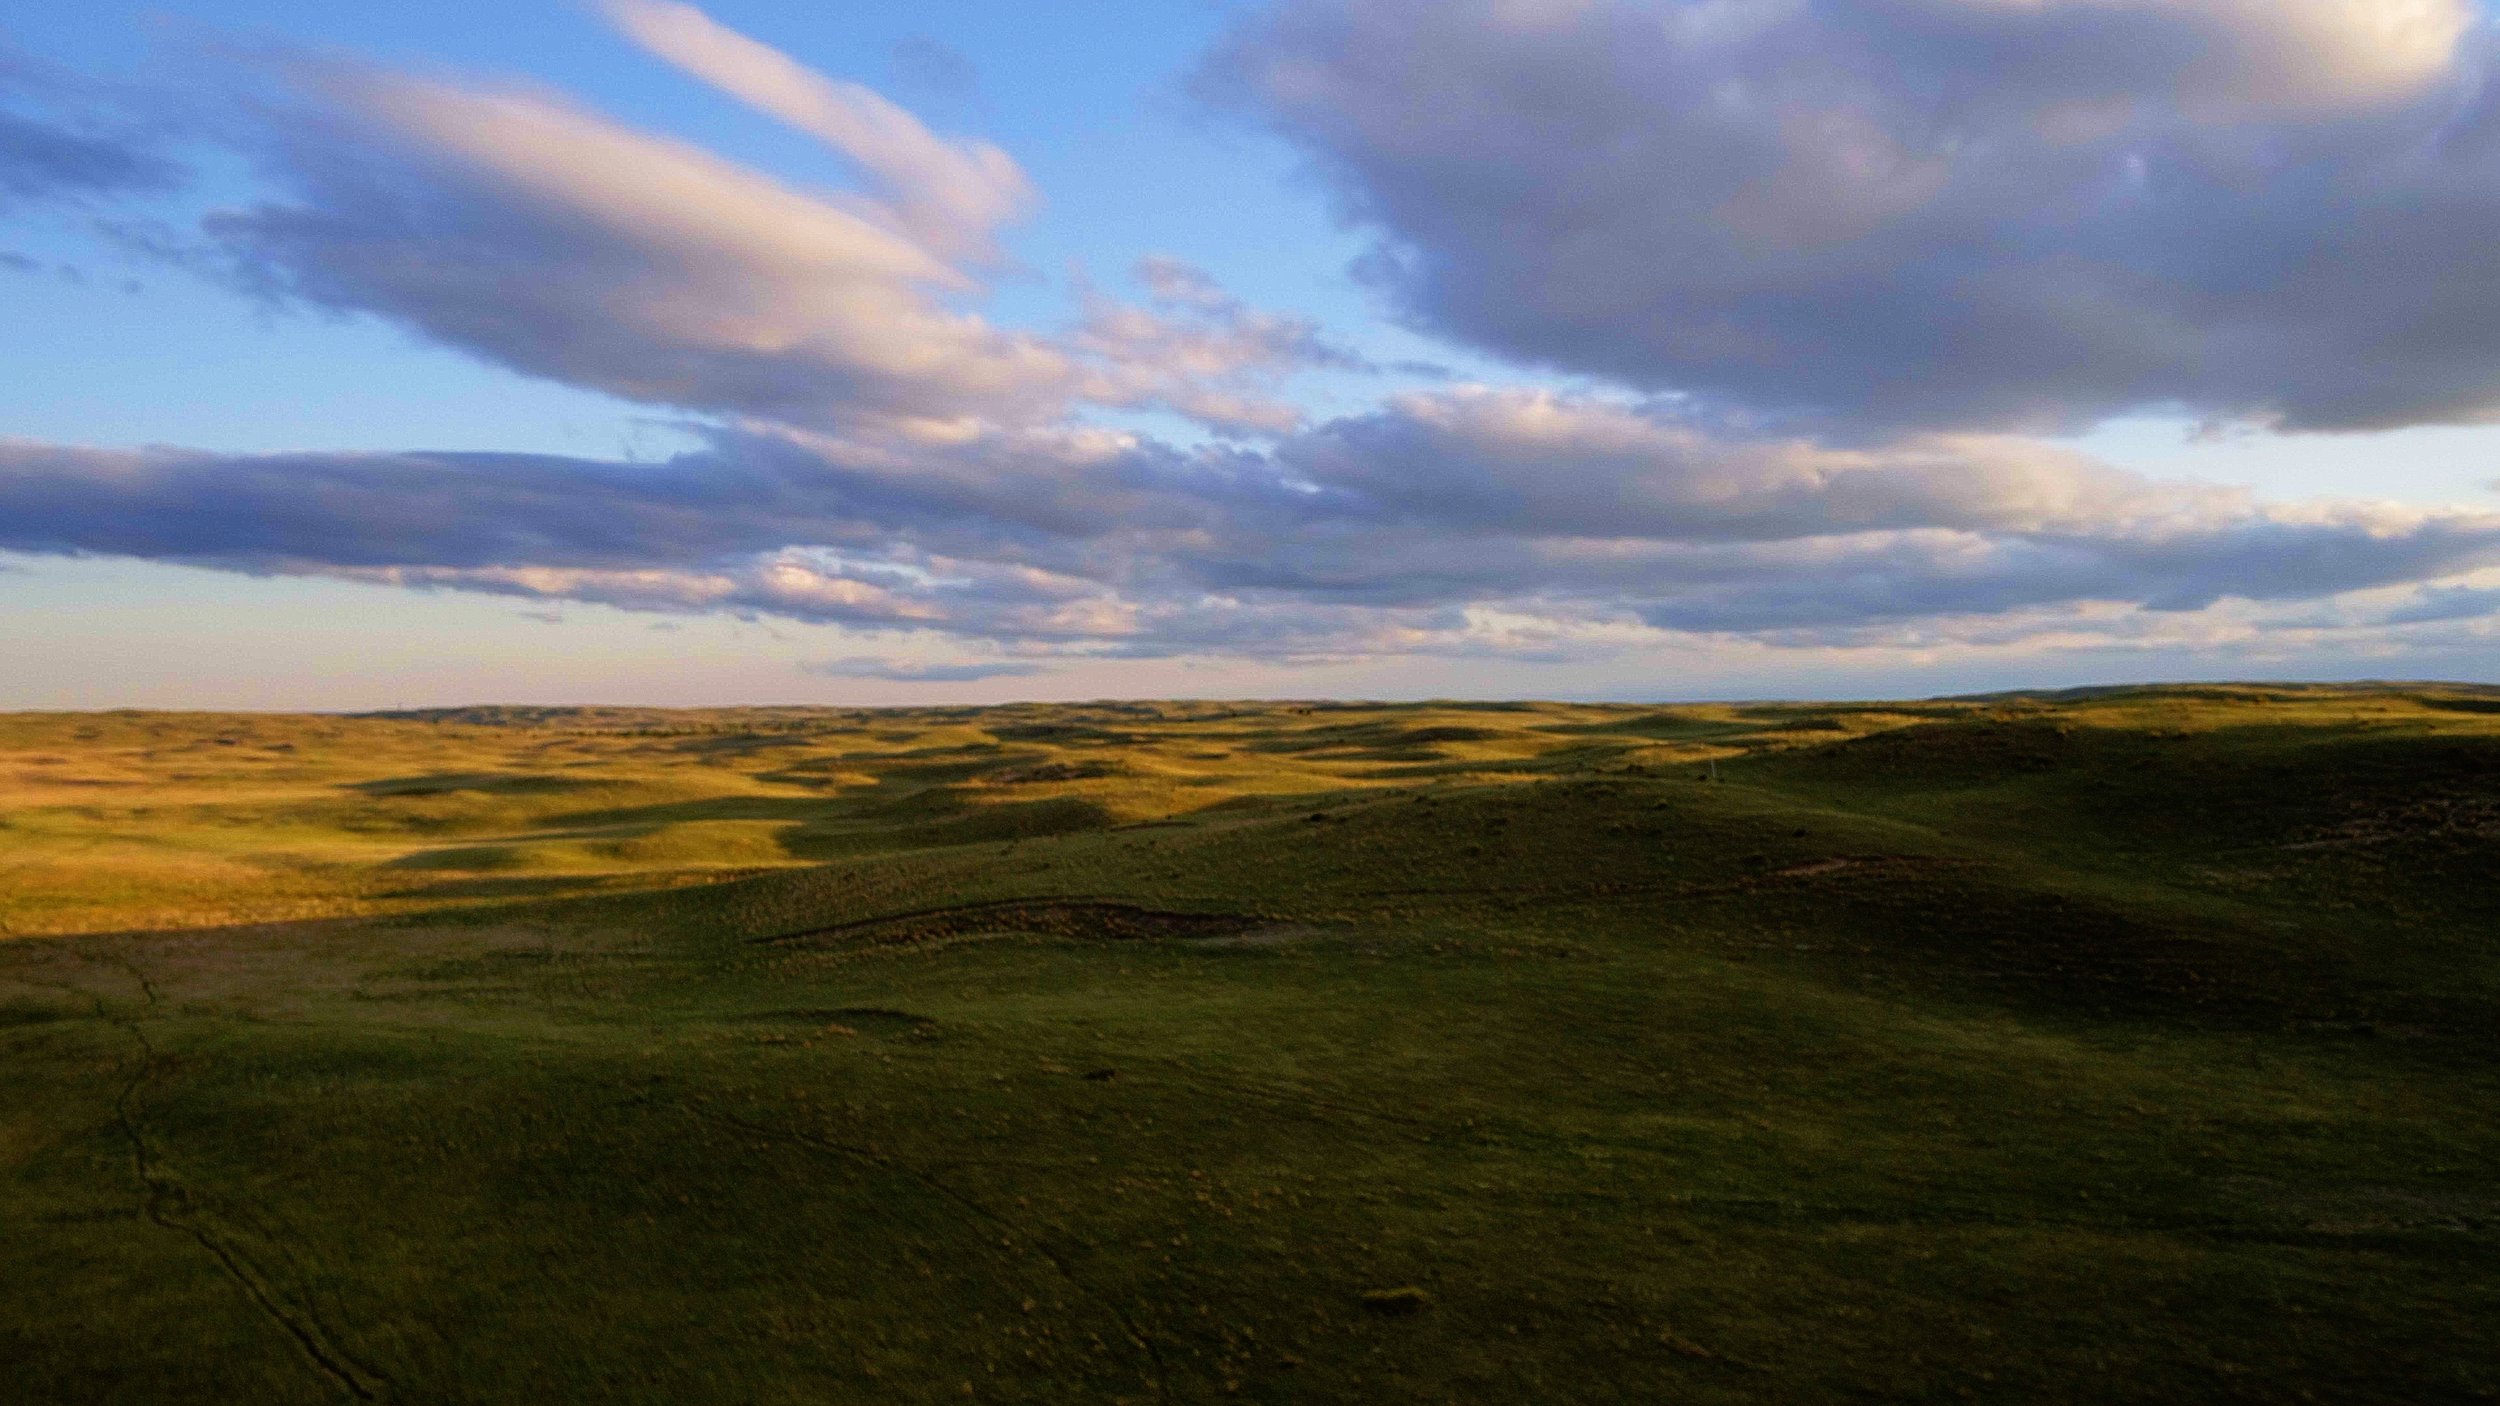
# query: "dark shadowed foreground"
{"type": "Point", "coordinates": [2119, 1047]}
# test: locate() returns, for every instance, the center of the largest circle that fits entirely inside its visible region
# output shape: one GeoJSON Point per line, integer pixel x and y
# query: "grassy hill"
{"type": "Point", "coordinates": [2129, 1045]}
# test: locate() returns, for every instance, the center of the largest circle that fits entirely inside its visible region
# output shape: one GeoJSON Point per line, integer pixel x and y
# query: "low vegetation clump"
{"type": "Point", "coordinates": [2134, 1045]}
{"type": "Point", "coordinates": [1403, 1302]}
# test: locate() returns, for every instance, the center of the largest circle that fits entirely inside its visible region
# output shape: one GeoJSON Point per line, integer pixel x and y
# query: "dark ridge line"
{"type": "Point", "coordinates": [1000, 905]}
{"type": "Point", "coordinates": [1669, 891]}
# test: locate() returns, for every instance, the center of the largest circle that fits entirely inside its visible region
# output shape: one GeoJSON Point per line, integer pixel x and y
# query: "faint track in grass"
{"type": "Point", "coordinates": [1050, 915]}
{"type": "Point", "coordinates": [1059, 915]}
{"type": "Point", "coordinates": [167, 1200]}
{"type": "Point", "coordinates": [1033, 1244]}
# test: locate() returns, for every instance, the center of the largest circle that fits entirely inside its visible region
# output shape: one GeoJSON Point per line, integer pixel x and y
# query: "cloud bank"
{"type": "Point", "coordinates": [1366, 534]}
{"type": "Point", "coordinates": [2025, 214]}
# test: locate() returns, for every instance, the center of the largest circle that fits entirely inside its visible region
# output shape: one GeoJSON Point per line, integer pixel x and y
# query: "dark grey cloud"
{"type": "Point", "coordinates": [2439, 604]}
{"type": "Point", "coordinates": [753, 524]}
{"type": "Point", "coordinates": [1957, 213]}
{"type": "Point", "coordinates": [1403, 529]}
{"type": "Point", "coordinates": [273, 512]}
{"type": "Point", "coordinates": [39, 160]}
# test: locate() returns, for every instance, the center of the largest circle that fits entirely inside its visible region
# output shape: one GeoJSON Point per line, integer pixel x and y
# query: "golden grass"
{"type": "Point", "coordinates": [160, 820]}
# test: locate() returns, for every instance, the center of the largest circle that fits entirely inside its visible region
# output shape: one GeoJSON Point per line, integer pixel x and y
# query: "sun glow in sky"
{"type": "Point", "coordinates": [766, 352]}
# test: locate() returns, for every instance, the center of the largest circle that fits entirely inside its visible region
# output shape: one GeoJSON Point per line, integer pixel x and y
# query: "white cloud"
{"type": "Point", "coordinates": [517, 226]}
{"type": "Point", "coordinates": [520, 227]}
{"type": "Point", "coordinates": [950, 195]}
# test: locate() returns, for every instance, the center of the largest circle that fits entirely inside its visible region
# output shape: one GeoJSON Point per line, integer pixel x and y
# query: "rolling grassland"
{"type": "Point", "coordinates": [2136, 1045]}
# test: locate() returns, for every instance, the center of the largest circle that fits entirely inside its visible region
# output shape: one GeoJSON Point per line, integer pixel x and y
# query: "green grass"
{"type": "Point", "coordinates": [2129, 1046]}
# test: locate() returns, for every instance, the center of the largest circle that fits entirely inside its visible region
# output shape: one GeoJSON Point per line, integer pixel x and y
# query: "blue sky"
{"type": "Point", "coordinates": [369, 355]}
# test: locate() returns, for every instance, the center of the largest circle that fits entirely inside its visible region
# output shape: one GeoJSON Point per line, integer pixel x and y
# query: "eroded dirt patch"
{"type": "Point", "coordinates": [859, 1020]}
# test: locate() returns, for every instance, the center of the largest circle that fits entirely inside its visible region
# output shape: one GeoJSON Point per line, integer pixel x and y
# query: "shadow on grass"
{"type": "Point", "coordinates": [482, 783]}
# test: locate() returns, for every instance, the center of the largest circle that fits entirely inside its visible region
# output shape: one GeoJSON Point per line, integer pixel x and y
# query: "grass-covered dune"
{"type": "Point", "coordinates": [2133, 1045]}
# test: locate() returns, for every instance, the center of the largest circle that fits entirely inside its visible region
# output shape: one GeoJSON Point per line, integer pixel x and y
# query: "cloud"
{"type": "Point", "coordinates": [517, 226]}
{"type": "Point", "coordinates": [914, 671]}
{"type": "Point", "coordinates": [1538, 462]}
{"type": "Point", "coordinates": [1956, 214]}
{"type": "Point", "coordinates": [520, 227]}
{"type": "Point", "coordinates": [874, 455]}
{"type": "Point", "coordinates": [1201, 351]}
{"type": "Point", "coordinates": [950, 195]}
{"type": "Point", "coordinates": [2439, 604]}
{"type": "Point", "coordinates": [79, 149]}
{"type": "Point", "coordinates": [39, 160]}
{"type": "Point", "coordinates": [754, 524]}
{"type": "Point", "coordinates": [1403, 529]}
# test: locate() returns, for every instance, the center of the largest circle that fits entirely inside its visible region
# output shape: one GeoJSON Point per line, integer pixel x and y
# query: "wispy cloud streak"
{"type": "Point", "coordinates": [950, 195]}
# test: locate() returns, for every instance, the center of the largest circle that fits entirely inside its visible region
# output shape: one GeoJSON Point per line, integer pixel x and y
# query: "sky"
{"type": "Point", "coordinates": [630, 351]}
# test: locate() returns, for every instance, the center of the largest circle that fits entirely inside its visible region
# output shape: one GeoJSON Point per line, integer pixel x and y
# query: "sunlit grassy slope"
{"type": "Point", "coordinates": [2128, 1046]}
{"type": "Point", "coordinates": [135, 820]}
